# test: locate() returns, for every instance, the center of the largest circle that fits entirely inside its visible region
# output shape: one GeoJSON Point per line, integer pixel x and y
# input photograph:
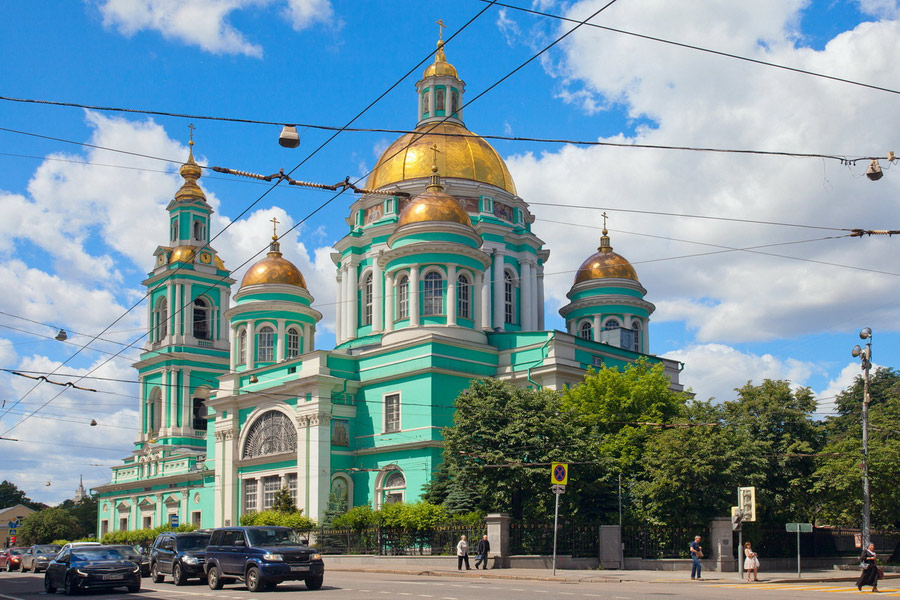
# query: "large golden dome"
{"type": "Point", "coordinates": [460, 154]}
{"type": "Point", "coordinates": [605, 264]}
{"type": "Point", "coordinates": [434, 205]}
{"type": "Point", "coordinates": [274, 269]}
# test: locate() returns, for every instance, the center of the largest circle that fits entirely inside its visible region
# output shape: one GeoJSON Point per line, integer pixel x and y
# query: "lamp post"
{"type": "Point", "coordinates": [865, 357]}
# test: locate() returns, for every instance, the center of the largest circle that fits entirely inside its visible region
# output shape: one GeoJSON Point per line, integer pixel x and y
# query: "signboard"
{"type": "Point", "coordinates": [798, 527]}
{"type": "Point", "coordinates": [559, 473]}
{"type": "Point", "coordinates": [857, 540]}
{"type": "Point", "coordinates": [558, 489]}
{"type": "Point", "coordinates": [737, 518]}
{"type": "Point", "coordinates": [747, 502]}
{"type": "Point", "coordinates": [173, 520]}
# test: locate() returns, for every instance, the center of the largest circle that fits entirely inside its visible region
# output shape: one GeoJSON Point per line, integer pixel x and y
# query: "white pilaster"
{"type": "Point", "coordinates": [338, 309]}
{"type": "Point", "coordinates": [188, 311]}
{"type": "Point", "coordinates": [223, 325]}
{"type": "Point", "coordinates": [485, 302]}
{"type": "Point", "coordinates": [303, 470]}
{"type": "Point", "coordinates": [352, 285]}
{"type": "Point", "coordinates": [168, 421]}
{"type": "Point", "coordinates": [414, 296]}
{"type": "Point", "coordinates": [497, 274]}
{"type": "Point", "coordinates": [540, 297]}
{"type": "Point", "coordinates": [377, 296]}
{"type": "Point", "coordinates": [319, 464]}
{"type": "Point", "coordinates": [176, 309]}
{"type": "Point", "coordinates": [187, 404]}
{"type": "Point", "coordinates": [451, 294]}
{"type": "Point", "coordinates": [280, 341]}
{"type": "Point", "coordinates": [389, 303]}
{"type": "Point", "coordinates": [597, 322]}
{"type": "Point", "coordinates": [526, 304]}
{"type": "Point", "coordinates": [476, 299]}
{"type": "Point", "coordinates": [307, 338]}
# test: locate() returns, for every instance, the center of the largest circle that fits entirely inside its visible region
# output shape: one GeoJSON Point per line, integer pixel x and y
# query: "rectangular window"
{"type": "Point", "coordinates": [123, 523]}
{"type": "Point", "coordinates": [195, 518]}
{"type": "Point", "coordinates": [266, 344]}
{"type": "Point", "coordinates": [391, 413]}
{"type": "Point", "coordinates": [367, 301]}
{"type": "Point", "coordinates": [462, 298]}
{"type": "Point", "coordinates": [434, 294]}
{"type": "Point", "coordinates": [403, 299]}
{"type": "Point", "coordinates": [292, 486]}
{"type": "Point", "coordinates": [293, 338]}
{"type": "Point", "coordinates": [148, 523]}
{"type": "Point", "coordinates": [104, 527]}
{"type": "Point", "coordinates": [250, 495]}
{"type": "Point", "coordinates": [270, 486]}
{"type": "Point", "coordinates": [598, 361]}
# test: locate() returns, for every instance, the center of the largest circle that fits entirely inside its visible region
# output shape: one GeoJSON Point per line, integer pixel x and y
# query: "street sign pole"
{"type": "Point", "coordinates": [740, 553]}
{"type": "Point", "coordinates": [798, 553]}
{"type": "Point", "coordinates": [555, 530]}
{"type": "Point", "coordinates": [559, 477]}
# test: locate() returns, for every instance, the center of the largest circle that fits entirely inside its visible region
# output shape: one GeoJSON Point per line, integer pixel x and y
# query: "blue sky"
{"type": "Point", "coordinates": [81, 223]}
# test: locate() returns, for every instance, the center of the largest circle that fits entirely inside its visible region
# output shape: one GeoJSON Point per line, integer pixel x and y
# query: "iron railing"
{"type": "Point", "coordinates": [537, 539]}
{"type": "Point", "coordinates": [647, 541]}
{"type": "Point", "coordinates": [396, 541]}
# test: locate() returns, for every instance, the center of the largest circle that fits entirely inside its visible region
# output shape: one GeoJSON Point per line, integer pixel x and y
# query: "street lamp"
{"type": "Point", "coordinates": [865, 357]}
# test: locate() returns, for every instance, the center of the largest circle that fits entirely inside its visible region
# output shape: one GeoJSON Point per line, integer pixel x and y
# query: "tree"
{"type": "Point", "coordinates": [284, 502]}
{"type": "Point", "coordinates": [11, 495]}
{"type": "Point", "coordinates": [47, 525]}
{"type": "Point", "coordinates": [85, 512]}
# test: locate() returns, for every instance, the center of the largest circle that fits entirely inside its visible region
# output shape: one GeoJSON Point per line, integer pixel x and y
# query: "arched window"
{"type": "Point", "coordinates": [463, 304]}
{"type": "Point", "coordinates": [198, 412]}
{"type": "Point", "coordinates": [636, 326]}
{"type": "Point", "coordinates": [610, 324]}
{"type": "Point", "coordinates": [367, 300]}
{"type": "Point", "coordinates": [199, 230]}
{"type": "Point", "coordinates": [271, 433]}
{"type": "Point", "coordinates": [434, 294]}
{"type": "Point", "coordinates": [154, 412]}
{"type": "Point", "coordinates": [161, 319]}
{"type": "Point", "coordinates": [509, 298]}
{"type": "Point", "coordinates": [202, 319]}
{"type": "Point", "coordinates": [174, 232]}
{"type": "Point", "coordinates": [293, 342]}
{"type": "Point", "coordinates": [403, 298]}
{"type": "Point", "coordinates": [425, 102]}
{"type": "Point", "coordinates": [390, 487]}
{"type": "Point", "coordinates": [454, 102]}
{"type": "Point", "coordinates": [439, 99]}
{"type": "Point", "coordinates": [587, 331]}
{"type": "Point", "coordinates": [265, 344]}
{"type": "Point", "coordinates": [242, 347]}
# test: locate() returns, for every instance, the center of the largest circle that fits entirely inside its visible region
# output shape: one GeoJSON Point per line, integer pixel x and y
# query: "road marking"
{"type": "Point", "coordinates": [11, 597]}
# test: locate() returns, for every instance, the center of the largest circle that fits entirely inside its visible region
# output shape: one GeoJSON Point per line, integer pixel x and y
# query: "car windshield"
{"type": "Point", "coordinates": [273, 536]}
{"type": "Point", "coordinates": [48, 549]}
{"type": "Point", "coordinates": [127, 551]}
{"type": "Point", "coordinates": [193, 542]}
{"type": "Point", "coordinates": [16, 551]}
{"type": "Point", "coordinates": [97, 553]}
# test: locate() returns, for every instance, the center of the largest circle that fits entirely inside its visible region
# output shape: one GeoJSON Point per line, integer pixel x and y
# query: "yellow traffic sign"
{"type": "Point", "coordinates": [559, 473]}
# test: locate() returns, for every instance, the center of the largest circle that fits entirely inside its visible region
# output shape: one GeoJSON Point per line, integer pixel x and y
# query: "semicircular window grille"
{"type": "Point", "coordinates": [272, 433]}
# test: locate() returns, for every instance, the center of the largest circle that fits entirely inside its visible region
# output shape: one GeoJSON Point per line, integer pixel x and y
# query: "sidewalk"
{"type": "Point", "coordinates": [610, 576]}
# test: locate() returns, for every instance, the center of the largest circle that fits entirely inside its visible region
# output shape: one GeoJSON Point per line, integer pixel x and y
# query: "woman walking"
{"type": "Point", "coordinates": [751, 562]}
{"type": "Point", "coordinates": [462, 554]}
{"type": "Point", "coordinates": [869, 575]}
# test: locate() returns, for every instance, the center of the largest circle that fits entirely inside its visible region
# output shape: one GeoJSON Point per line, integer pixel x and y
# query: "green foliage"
{"type": "Point", "coordinates": [46, 525]}
{"type": "Point", "coordinates": [358, 518]}
{"type": "Point", "coordinates": [11, 495]}
{"type": "Point", "coordinates": [416, 516]}
{"type": "Point", "coordinates": [142, 537]}
{"type": "Point", "coordinates": [283, 502]}
{"type": "Point", "coordinates": [295, 520]}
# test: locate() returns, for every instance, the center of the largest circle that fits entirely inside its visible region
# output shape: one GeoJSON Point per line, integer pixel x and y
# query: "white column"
{"type": "Point", "coordinates": [540, 297]}
{"type": "Point", "coordinates": [414, 296]}
{"type": "Point", "coordinates": [319, 464]}
{"type": "Point", "coordinates": [526, 306]}
{"type": "Point", "coordinates": [497, 274]}
{"type": "Point", "coordinates": [188, 312]}
{"type": "Point", "coordinates": [597, 319]}
{"type": "Point", "coordinates": [280, 345]}
{"type": "Point", "coordinates": [176, 309]}
{"type": "Point", "coordinates": [187, 407]}
{"type": "Point", "coordinates": [307, 338]}
{"type": "Point", "coordinates": [451, 295]}
{"type": "Point", "coordinates": [485, 295]}
{"type": "Point", "coordinates": [338, 313]}
{"type": "Point", "coordinates": [477, 300]}
{"type": "Point", "coordinates": [167, 380]}
{"type": "Point", "coordinates": [570, 325]}
{"type": "Point", "coordinates": [352, 285]}
{"type": "Point", "coordinates": [378, 296]}
{"type": "Point", "coordinates": [303, 478]}
{"type": "Point", "coordinates": [226, 302]}
{"type": "Point", "coordinates": [389, 303]}
{"type": "Point", "coordinates": [151, 326]}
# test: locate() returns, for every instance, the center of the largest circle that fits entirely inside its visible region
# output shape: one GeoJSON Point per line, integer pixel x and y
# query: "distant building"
{"type": "Point", "coordinates": [10, 519]}
{"type": "Point", "coordinates": [80, 492]}
{"type": "Point", "coordinates": [440, 279]}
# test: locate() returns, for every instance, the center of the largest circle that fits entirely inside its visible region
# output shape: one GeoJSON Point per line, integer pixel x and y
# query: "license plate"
{"type": "Point", "coordinates": [111, 577]}
{"type": "Point", "coordinates": [299, 568]}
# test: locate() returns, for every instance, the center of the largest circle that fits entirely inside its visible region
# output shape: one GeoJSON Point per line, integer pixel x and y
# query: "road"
{"type": "Point", "coordinates": [354, 586]}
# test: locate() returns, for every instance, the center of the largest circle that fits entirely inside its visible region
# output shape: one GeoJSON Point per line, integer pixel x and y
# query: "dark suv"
{"type": "Point", "coordinates": [262, 557]}
{"type": "Point", "coordinates": [180, 555]}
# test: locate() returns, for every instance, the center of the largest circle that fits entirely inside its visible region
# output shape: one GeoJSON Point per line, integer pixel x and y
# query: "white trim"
{"type": "Point", "coordinates": [384, 423]}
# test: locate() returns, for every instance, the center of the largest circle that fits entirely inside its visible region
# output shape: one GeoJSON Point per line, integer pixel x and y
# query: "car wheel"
{"type": "Point", "coordinates": [314, 583]}
{"type": "Point", "coordinates": [178, 577]}
{"type": "Point", "coordinates": [8, 568]}
{"type": "Point", "coordinates": [212, 578]}
{"type": "Point", "coordinates": [135, 588]}
{"type": "Point", "coordinates": [70, 587]}
{"type": "Point", "coordinates": [48, 587]}
{"type": "Point", "coordinates": [155, 575]}
{"type": "Point", "coordinates": [254, 581]}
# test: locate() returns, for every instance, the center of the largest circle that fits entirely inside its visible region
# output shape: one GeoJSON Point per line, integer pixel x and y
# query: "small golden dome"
{"type": "Point", "coordinates": [440, 66]}
{"type": "Point", "coordinates": [434, 205]}
{"type": "Point", "coordinates": [182, 254]}
{"type": "Point", "coordinates": [605, 264]}
{"type": "Point", "coordinates": [274, 269]}
{"type": "Point", "coordinates": [190, 172]}
{"type": "Point", "coordinates": [461, 154]}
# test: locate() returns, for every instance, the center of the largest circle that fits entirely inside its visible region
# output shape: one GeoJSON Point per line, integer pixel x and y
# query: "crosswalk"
{"type": "Point", "coordinates": [841, 588]}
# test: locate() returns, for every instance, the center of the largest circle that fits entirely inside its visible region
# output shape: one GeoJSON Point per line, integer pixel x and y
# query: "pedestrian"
{"type": "Point", "coordinates": [482, 549]}
{"type": "Point", "coordinates": [869, 575]}
{"type": "Point", "coordinates": [696, 555]}
{"type": "Point", "coordinates": [462, 554]}
{"type": "Point", "coordinates": [751, 562]}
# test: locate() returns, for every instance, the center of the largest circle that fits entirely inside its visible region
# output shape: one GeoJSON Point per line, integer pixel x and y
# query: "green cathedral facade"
{"type": "Point", "coordinates": [440, 281]}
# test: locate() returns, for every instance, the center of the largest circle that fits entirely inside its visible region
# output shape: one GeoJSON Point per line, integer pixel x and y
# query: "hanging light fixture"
{"type": "Point", "coordinates": [289, 137]}
{"type": "Point", "coordinates": [61, 336]}
{"type": "Point", "coordinates": [254, 379]}
{"type": "Point", "coordinates": [93, 422]}
{"type": "Point", "coordinates": [874, 171]}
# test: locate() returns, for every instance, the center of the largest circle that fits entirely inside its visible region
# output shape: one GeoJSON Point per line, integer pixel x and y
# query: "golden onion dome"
{"type": "Point", "coordinates": [461, 154]}
{"type": "Point", "coordinates": [434, 205]}
{"type": "Point", "coordinates": [440, 66]}
{"type": "Point", "coordinates": [274, 268]}
{"type": "Point", "coordinates": [190, 172]}
{"type": "Point", "coordinates": [605, 264]}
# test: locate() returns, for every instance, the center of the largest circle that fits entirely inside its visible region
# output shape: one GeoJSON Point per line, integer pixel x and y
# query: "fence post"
{"type": "Point", "coordinates": [611, 554]}
{"type": "Point", "coordinates": [721, 542]}
{"type": "Point", "coordinates": [498, 536]}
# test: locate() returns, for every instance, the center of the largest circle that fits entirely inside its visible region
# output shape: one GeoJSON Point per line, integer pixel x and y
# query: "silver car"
{"type": "Point", "coordinates": [38, 557]}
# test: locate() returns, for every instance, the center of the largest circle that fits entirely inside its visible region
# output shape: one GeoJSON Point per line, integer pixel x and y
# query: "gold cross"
{"type": "Point", "coordinates": [440, 23]}
{"type": "Point", "coordinates": [275, 227]}
{"type": "Point", "coordinates": [192, 128]}
{"type": "Point", "coordinates": [604, 219]}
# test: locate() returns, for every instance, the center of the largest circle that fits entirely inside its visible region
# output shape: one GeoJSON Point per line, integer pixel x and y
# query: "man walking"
{"type": "Point", "coordinates": [482, 549]}
{"type": "Point", "coordinates": [462, 554]}
{"type": "Point", "coordinates": [696, 555]}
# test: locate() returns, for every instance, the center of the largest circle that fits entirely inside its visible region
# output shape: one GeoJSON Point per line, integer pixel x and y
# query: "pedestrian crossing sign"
{"type": "Point", "coordinates": [559, 473]}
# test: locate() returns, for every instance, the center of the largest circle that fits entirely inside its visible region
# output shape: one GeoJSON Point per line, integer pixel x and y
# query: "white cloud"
{"type": "Point", "coordinates": [205, 23]}
{"type": "Point", "coordinates": [887, 9]}
{"type": "Point", "coordinates": [837, 385]}
{"type": "Point", "coordinates": [716, 370]}
{"type": "Point", "coordinates": [685, 98]}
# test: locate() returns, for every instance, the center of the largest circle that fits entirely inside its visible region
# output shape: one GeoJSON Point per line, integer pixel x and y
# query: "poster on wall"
{"type": "Point", "coordinates": [340, 432]}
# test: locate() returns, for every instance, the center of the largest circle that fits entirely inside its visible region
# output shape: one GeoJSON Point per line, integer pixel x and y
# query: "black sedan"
{"type": "Point", "coordinates": [91, 568]}
{"type": "Point", "coordinates": [137, 555]}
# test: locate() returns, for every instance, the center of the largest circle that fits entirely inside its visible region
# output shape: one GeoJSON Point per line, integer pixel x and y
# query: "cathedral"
{"type": "Point", "coordinates": [440, 281]}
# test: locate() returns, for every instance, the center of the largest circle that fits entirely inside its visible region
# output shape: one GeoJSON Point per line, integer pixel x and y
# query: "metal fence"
{"type": "Point", "coordinates": [770, 542]}
{"type": "Point", "coordinates": [393, 541]}
{"type": "Point", "coordinates": [642, 541]}
{"type": "Point", "coordinates": [537, 539]}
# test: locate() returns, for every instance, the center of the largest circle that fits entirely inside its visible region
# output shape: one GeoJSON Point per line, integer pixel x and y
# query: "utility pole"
{"type": "Point", "coordinates": [865, 357]}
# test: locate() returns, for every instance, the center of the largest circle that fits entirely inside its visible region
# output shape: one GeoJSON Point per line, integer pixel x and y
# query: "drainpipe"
{"type": "Point", "coordinates": [537, 363]}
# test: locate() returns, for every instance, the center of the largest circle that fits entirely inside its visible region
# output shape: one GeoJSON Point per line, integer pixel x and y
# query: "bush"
{"type": "Point", "coordinates": [295, 520]}
{"type": "Point", "coordinates": [358, 518]}
{"type": "Point", "coordinates": [142, 537]}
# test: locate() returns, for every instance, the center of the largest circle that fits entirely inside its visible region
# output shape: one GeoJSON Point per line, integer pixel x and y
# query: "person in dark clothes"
{"type": "Point", "coordinates": [482, 549]}
{"type": "Point", "coordinates": [869, 575]}
{"type": "Point", "coordinates": [696, 555]}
